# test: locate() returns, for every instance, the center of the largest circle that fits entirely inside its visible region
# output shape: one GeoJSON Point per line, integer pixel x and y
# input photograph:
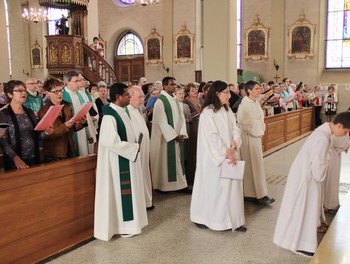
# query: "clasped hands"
{"type": "Point", "coordinates": [230, 154]}
{"type": "Point", "coordinates": [180, 138]}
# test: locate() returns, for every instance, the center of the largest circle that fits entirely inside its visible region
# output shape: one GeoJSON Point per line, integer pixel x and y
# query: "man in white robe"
{"type": "Point", "coordinates": [168, 132]}
{"type": "Point", "coordinates": [91, 131]}
{"type": "Point", "coordinates": [139, 124]}
{"type": "Point", "coordinates": [217, 203]}
{"type": "Point", "coordinates": [250, 118]}
{"type": "Point", "coordinates": [71, 95]}
{"type": "Point", "coordinates": [331, 184]}
{"type": "Point", "coordinates": [119, 200]}
{"type": "Point", "coordinates": [299, 216]}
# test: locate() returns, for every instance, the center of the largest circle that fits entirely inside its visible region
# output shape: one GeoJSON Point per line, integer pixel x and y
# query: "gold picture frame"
{"type": "Point", "coordinates": [36, 56]}
{"type": "Point", "coordinates": [301, 36]}
{"type": "Point", "coordinates": [256, 39]}
{"type": "Point", "coordinates": [154, 48]}
{"type": "Point", "coordinates": [184, 46]}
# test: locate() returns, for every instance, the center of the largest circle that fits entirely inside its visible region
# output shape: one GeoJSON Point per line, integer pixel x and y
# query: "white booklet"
{"type": "Point", "coordinates": [232, 172]}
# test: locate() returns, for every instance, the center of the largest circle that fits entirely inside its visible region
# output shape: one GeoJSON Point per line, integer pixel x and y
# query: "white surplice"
{"type": "Point", "coordinates": [331, 183]}
{"type": "Point", "coordinates": [296, 227]}
{"type": "Point", "coordinates": [250, 119]}
{"type": "Point", "coordinates": [108, 204]}
{"type": "Point", "coordinates": [216, 202]}
{"type": "Point", "coordinates": [139, 125]}
{"type": "Point", "coordinates": [162, 133]}
{"type": "Point", "coordinates": [81, 134]}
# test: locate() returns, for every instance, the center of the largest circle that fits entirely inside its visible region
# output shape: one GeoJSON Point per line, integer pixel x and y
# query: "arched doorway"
{"type": "Point", "coordinates": [129, 58]}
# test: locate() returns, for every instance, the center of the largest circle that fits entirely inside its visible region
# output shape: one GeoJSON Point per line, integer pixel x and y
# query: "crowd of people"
{"type": "Point", "coordinates": [173, 137]}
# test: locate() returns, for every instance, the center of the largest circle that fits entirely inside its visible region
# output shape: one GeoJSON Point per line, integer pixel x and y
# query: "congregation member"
{"type": "Point", "coordinates": [139, 125]}
{"type": "Point", "coordinates": [34, 100]}
{"type": "Point", "coordinates": [119, 199]}
{"type": "Point", "coordinates": [20, 142]}
{"type": "Point", "coordinates": [300, 211]}
{"type": "Point", "coordinates": [331, 184]}
{"type": "Point", "coordinates": [180, 96]}
{"type": "Point", "coordinates": [235, 97]}
{"type": "Point", "coordinates": [217, 203]}
{"type": "Point", "coordinates": [60, 143]}
{"type": "Point", "coordinates": [317, 101]}
{"type": "Point", "coordinates": [250, 117]}
{"type": "Point", "coordinates": [100, 101]}
{"type": "Point", "coordinates": [330, 103]}
{"type": "Point", "coordinates": [70, 94]}
{"type": "Point", "coordinates": [194, 105]}
{"type": "Point", "coordinates": [168, 134]}
{"type": "Point", "coordinates": [287, 95]}
{"type": "Point", "coordinates": [91, 117]}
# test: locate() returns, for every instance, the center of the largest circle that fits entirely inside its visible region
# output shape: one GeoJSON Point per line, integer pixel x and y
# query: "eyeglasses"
{"type": "Point", "coordinates": [32, 83]}
{"type": "Point", "coordinates": [19, 90]}
{"type": "Point", "coordinates": [57, 91]}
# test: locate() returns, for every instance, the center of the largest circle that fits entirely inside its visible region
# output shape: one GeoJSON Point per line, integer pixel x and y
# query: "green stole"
{"type": "Point", "coordinates": [124, 167]}
{"type": "Point", "coordinates": [171, 144]}
{"type": "Point", "coordinates": [66, 97]}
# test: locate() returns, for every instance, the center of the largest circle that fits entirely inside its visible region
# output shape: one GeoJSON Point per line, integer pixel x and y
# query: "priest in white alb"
{"type": "Point", "coordinates": [71, 95]}
{"type": "Point", "coordinates": [168, 134]}
{"type": "Point", "coordinates": [139, 124]}
{"type": "Point", "coordinates": [119, 200]}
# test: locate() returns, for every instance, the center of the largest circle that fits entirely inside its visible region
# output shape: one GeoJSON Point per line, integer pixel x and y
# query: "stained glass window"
{"type": "Point", "coordinates": [129, 44]}
{"type": "Point", "coordinates": [338, 34]}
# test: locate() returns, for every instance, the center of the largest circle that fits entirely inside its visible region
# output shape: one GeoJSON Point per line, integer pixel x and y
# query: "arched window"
{"type": "Point", "coordinates": [129, 44]}
{"type": "Point", "coordinates": [338, 34]}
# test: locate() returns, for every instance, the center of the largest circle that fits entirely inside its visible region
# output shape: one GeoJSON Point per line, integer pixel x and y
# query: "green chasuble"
{"type": "Point", "coordinates": [124, 168]}
{"type": "Point", "coordinates": [171, 144]}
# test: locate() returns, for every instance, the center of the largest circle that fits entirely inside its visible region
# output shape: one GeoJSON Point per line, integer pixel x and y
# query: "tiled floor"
{"type": "Point", "coordinates": [170, 236]}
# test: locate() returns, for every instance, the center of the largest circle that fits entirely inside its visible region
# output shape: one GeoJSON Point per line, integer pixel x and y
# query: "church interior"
{"type": "Point", "coordinates": [193, 41]}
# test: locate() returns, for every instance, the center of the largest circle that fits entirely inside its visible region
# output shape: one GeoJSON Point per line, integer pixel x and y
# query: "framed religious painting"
{"type": "Point", "coordinates": [183, 45]}
{"type": "Point", "coordinates": [36, 56]}
{"type": "Point", "coordinates": [154, 48]}
{"type": "Point", "coordinates": [301, 39]}
{"type": "Point", "coordinates": [256, 39]}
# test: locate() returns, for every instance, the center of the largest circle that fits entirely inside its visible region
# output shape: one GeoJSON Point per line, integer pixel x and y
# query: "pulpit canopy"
{"type": "Point", "coordinates": [67, 4]}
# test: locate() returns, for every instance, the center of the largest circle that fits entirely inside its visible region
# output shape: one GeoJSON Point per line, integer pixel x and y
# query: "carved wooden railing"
{"type": "Point", "coordinates": [96, 68]}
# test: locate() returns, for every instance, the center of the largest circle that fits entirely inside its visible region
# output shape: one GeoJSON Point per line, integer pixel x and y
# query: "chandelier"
{"type": "Point", "coordinates": [126, 3]}
{"type": "Point", "coordinates": [145, 2]}
{"type": "Point", "coordinates": [35, 15]}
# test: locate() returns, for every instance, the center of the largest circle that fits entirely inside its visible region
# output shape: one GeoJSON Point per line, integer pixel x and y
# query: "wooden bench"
{"type": "Point", "coordinates": [46, 209]}
{"type": "Point", "coordinates": [335, 245]}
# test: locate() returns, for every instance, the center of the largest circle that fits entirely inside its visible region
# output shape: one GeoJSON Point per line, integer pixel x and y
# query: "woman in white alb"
{"type": "Point", "coordinates": [217, 203]}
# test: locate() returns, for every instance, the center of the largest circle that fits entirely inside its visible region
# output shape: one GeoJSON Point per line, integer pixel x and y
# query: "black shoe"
{"type": "Point", "coordinates": [265, 200]}
{"type": "Point", "coordinates": [201, 226]}
{"type": "Point", "coordinates": [251, 199]}
{"type": "Point", "coordinates": [305, 253]}
{"type": "Point", "coordinates": [150, 207]}
{"type": "Point", "coordinates": [187, 190]}
{"type": "Point", "coordinates": [241, 229]}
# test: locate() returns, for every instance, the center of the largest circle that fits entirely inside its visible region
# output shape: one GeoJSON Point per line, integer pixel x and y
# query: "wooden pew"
{"type": "Point", "coordinates": [46, 209]}
{"type": "Point", "coordinates": [335, 245]}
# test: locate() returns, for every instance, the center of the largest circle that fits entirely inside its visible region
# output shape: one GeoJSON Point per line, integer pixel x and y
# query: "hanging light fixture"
{"type": "Point", "coordinates": [35, 15]}
{"type": "Point", "coordinates": [126, 3]}
{"type": "Point", "coordinates": [145, 2]}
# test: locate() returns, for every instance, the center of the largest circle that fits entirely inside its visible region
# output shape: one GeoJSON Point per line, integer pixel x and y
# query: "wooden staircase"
{"type": "Point", "coordinates": [96, 68]}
